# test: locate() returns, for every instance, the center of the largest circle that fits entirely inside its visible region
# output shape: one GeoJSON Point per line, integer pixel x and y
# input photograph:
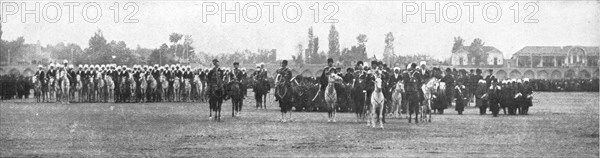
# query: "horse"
{"type": "Point", "coordinates": [176, 89]}
{"type": "Point", "coordinates": [429, 89]}
{"type": "Point", "coordinates": [123, 89]}
{"type": "Point", "coordinates": [397, 99]}
{"type": "Point", "coordinates": [377, 101]}
{"type": "Point", "coordinates": [131, 84]}
{"type": "Point", "coordinates": [110, 87]}
{"type": "Point", "coordinates": [234, 91]}
{"type": "Point", "coordinates": [143, 87]}
{"type": "Point", "coordinates": [100, 88]}
{"type": "Point", "coordinates": [152, 85]}
{"type": "Point", "coordinates": [51, 88]}
{"type": "Point", "coordinates": [65, 87]}
{"type": "Point", "coordinates": [331, 97]}
{"type": "Point", "coordinates": [285, 97]}
{"type": "Point", "coordinates": [187, 90]}
{"type": "Point", "coordinates": [164, 86]}
{"type": "Point", "coordinates": [79, 88]}
{"type": "Point", "coordinates": [199, 86]}
{"type": "Point", "coordinates": [261, 88]}
{"type": "Point", "coordinates": [216, 94]}
{"type": "Point", "coordinates": [37, 88]}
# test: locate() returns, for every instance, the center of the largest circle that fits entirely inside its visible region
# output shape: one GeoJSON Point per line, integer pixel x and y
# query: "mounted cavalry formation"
{"type": "Point", "coordinates": [373, 92]}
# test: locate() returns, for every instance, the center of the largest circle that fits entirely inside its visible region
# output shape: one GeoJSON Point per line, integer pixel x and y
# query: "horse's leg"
{"type": "Point", "coordinates": [233, 107]}
{"type": "Point", "coordinates": [334, 111]}
{"type": "Point", "coordinates": [382, 116]}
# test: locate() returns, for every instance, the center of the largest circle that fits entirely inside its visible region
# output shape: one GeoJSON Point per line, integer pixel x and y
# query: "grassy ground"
{"type": "Point", "coordinates": [559, 125]}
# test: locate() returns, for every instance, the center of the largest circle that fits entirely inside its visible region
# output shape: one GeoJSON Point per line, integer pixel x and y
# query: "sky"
{"type": "Point", "coordinates": [539, 23]}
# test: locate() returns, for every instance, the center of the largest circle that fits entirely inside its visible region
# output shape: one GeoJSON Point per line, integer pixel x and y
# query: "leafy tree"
{"type": "Point", "coordinates": [458, 43]}
{"type": "Point", "coordinates": [476, 52]}
{"type": "Point", "coordinates": [362, 39]}
{"type": "Point", "coordinates": [174, 38]}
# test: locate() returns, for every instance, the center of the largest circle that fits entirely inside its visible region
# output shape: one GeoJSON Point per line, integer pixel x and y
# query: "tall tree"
{"type": "Point", "coordinates": [97, 48]}
{"type": "Point", "coordinates": [315, 57]}
{"type": "Point", "coordinates": [458, 43]}
{"type": "Point", "coordinates": [334, 44]}
{"type": "Point", "coordinates": [388, 51]}
{"type": "Point", "coordinates": [309, 50]}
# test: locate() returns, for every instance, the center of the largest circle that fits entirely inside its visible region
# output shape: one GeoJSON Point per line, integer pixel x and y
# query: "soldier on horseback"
{"type": "Point", "coordinates": [261, 86]}
{"type": "Point", "coordinates": [215, 89]}
{"type": "Point", "coordinates": [283, 90]}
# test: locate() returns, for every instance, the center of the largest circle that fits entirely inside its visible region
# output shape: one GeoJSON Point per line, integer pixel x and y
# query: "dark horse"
{"type": "Point", "coordinates": [360, 97]}
{"type": "Point", "coordinates": [234, 91]}
{"type": "Point", "coordinates": [285, 97]}
{"type": "Point", "coordinates": [216, 94]}
{"type": "Point", "coordinates": [261, 87]}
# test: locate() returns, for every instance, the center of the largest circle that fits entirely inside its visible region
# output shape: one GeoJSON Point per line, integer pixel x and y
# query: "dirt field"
{"type": "Point", "coordinates": [559, 125]}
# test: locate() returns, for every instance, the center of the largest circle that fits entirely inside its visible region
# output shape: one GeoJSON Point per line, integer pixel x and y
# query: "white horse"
{"type": "Point", "coordinates": [176, 89]}
{"type": "Point", "coordinates": [397, 99]}
{"type": "Point", "coordinates": [199, 87]}
{"type": "Point", "coordinates": [377, 100]}
{"type": "Point", "coordinates": [100, 88]}
{"type": "Point", "coordinates": [65, 87]}
{"type": "Point", "coordinates": [331, 95]}
{"type": "Point", "coordinates": [187, 89]}
{"type": "Point", "coordinates": [165, 87]}
{"type": "Point", "coordinates": [428, 89]}
{"type": "Point", "coordinates": [143, 87]}
{"type": "Point", "coordinates": [110, 87]}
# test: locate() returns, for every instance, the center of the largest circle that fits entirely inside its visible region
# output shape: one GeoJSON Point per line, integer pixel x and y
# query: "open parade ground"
{"type": "Point", "coordinates": [559, 125]}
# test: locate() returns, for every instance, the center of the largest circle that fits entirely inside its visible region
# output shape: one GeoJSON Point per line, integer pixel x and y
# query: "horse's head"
{"type": "Point", "coordinates": [378, 83]}
{"type": "Point", "coordinates": [400, 86]}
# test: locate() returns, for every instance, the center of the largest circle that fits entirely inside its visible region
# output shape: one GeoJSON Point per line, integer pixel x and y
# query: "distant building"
{"type": "Point", "coordinates": [554, 56]}
{"type": "Point", "coordinates": [461, 57]}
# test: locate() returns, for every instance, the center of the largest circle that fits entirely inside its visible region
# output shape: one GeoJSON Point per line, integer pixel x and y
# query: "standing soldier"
{"type": "Point", "coordinates": [446, 99]}
{"type": "Point", "coordinates": [412, 80]}
{"type": "Point", "coordinates": [494, 97]}
{"type": "Point", "coordinates": [489, 77]}
{"type": "Point", "coordinates": [481, 98]}
{"type": "Point", "coordinates": [527, 96]}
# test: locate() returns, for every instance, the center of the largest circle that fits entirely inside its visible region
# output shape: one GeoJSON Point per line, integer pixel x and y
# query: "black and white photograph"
{"type": "Point", "coordinates": [287, 78]}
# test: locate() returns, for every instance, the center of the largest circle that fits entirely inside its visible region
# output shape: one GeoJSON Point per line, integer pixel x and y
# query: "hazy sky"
{"type": "Point", "coordinates": [559, 23]}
